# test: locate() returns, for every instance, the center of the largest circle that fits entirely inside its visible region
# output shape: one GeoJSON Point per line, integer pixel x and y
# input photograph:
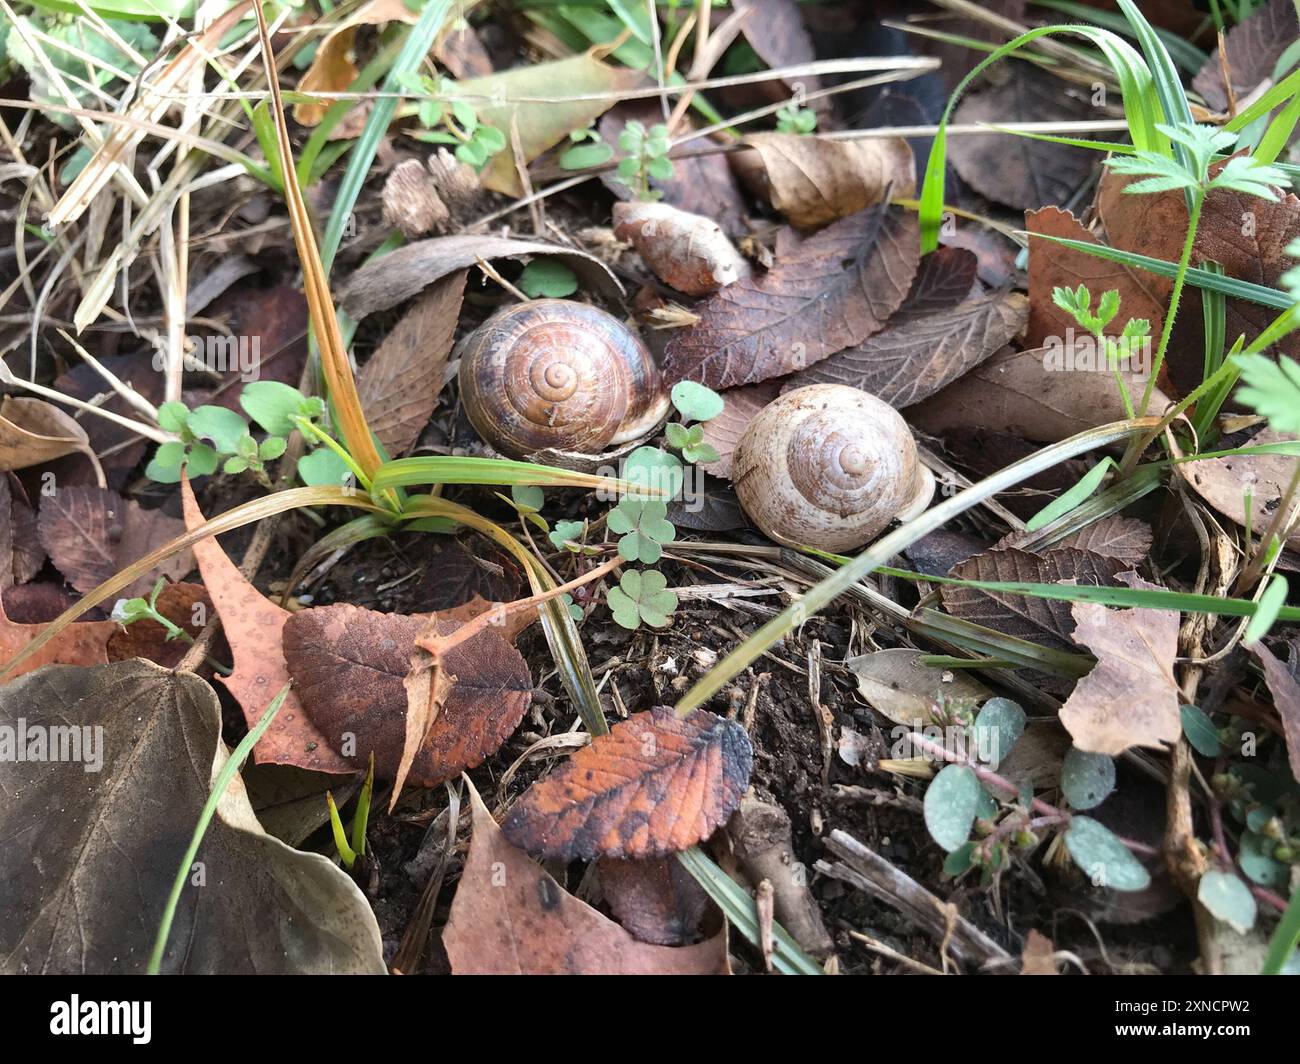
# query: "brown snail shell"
{"type": "Point", "coordinates": [829, 466]}
{"type": "Point", "coordinates": [554, 374]}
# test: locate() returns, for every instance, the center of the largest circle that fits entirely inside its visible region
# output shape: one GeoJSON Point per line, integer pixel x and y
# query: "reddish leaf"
{"type": "Point", "coordinates": [254, 629]}
{"type": "Point", "coordinates": [656, 784]}
{"type": "Point", "coordinates": [657, 900]}
{"type": "Point", "coordinates": [825, 293]}
{"type": "Point", "coordinates": [92, 533]}
{"type": "Point", "coordinates": [21, 554]}
{"type": "Point", "coordinates": [349, 666]}
{"type": "Point", "coordinates": [455, 575]}
{"type": "Point", "coordinates": [739, 405]}
{"type": "Point", "coordinates": [1125, 539]}
{"type": "Point", "coordinates": [80, 643]}
{"type": "Point", "coordinates": [510, 917]}
{"type": "Point", "coordinates": [1250, 50]}
{"type": "Point", "coordinates": [268, 342]}
{"type": "Point", "coordinates": [121, 448]}
{"type": "Point", "coordinates": [148, 639]}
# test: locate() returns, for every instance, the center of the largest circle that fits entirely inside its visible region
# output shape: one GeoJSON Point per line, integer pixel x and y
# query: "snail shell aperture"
{"type": "Point", "coordinates": [554, 374]}
{"type": "Point", "coordinates": [828, 466]}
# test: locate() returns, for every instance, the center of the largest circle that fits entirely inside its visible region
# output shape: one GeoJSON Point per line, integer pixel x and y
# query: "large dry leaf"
{"type": "Point", "coordinates": [33, 432]}
{"type": "Point", "coordinates": [1125, 539]}
{"type": "Point", "coordinates": [87, 887]}
{"type": "Point", "coordinates": [824, 294]}
{"type": "Point", "coordinates": [254, 628]}
{"type": "Point", "coordinates": [896, 684]}
{"type": "Point", "coordinates": [1224, 482]}
{"type": "Point", "coordinates": [656, 784]}
{"type": "Point", "coordinates": [1021, 393]}
{"type": "Point", "coordinates": [1141, 294]}
{"type": "Point", "coordinates": [80, 643]}
{"type": "Point", "coordinates": [410, 269]}
{"type": "Point", "coordinates": [509, 917]}
{"type": "Point", "coordinates": [1250, 50]}
{"type": "Point", "coordinates": [1131, 696]}
{"type": "Point", "coordinates": [814, 181]}
{"type": "Point", "coordinates": [1284, 685]}
{"type": "Point", "coordinates": [349, 667]}
{"type": "Point", "coordinates": [186, 605]}
{"type": "Point", "coordinates": [540, 126]}
{"type": "Point", "coordinates": [92, 533]}
{"type": "Point", "coordinates": [332, 68]}
{"type": "Point", "coordinates": [739, 405]}
{"type": "Point", "coordinates": [1047, 622]}
{"type": "Point", "coordinates": [912, 359]}
{"type": "Point", "coordinates": [399, 386]}
{"type": "Point", "coordinates": [1017, 171]}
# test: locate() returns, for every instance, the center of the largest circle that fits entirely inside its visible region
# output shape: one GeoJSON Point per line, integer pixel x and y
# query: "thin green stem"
{"type": "Point", "coordinates": [1184, 260]}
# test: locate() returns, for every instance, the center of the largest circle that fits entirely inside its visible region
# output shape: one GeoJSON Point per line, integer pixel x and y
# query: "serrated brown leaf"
{"type": "Point", "coordinates": [1131, 696]}
{"type": "Point", "coordinates": [814, 181]}
{"type": "Point", "coordinates": [1251, 49]}
{"type": "Point", "coordinates": [148, 639]}
{"type": "Point", "coordinates": [1047, 622]}
{"type": "Point", "coordinates": [656, 784]}
{"type": "Point", "coordinates": [1141, 295]}
{"type": "Point", "coordinates": [913, 359]}
{"type": "Point", "coordinates": [254, 628]}
{"type": "Point", "coordinates": [1284, 685]}
{"type": "Point", "coordinates": [80, 643]}
{"type": "Point", "coordinates": [1016, 393]}
{"type": "Point", "coordinates": [509, 917]}
{"type": "Point", "coordinates": [824, 294]}
{"type": "Point", "coordinates": [399, 386]}
{"type": "Point", "coordinates": [739, 405]}
{"type": "Point", "coordinates": [657, 900]}
{"type": "Point", "coordinates": [1017, 171]}
{"type": "Point", "coordinates": [349, 667]}
{"type": "Point", "coordinates": [92, 533]}
{"type": "Point", "coordinates": [1125, 539]}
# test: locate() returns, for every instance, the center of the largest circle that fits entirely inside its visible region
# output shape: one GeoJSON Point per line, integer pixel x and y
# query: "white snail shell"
{"type": "Point", "coordinates": [829, 466]}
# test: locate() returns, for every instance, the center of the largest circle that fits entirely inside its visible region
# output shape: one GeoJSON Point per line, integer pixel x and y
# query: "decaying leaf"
{"type": "Point", "coordinates": [456, 575]}
{"type": "Point", "coordinates": [186, 605]}
{"type": "Point", "coordinates": [80, 643]}
{"type": "Point", "coordinates": [775, 30]}
{"type": "Point", "coordinates": [896, 684]}
{"type": "Point", "coordinates": [1284, 685]}
{"type": "Point", "coordinates": [120, 448]}
{"type": "Point", "coordinates": [349, 666]}
{"type": "Point", "coordinates": [509, 917]}
{"type": "Point", "coordinates": [724, 431]}
{"type": "Point", "coordinates": [1225, 482]}
{"type": "Point", "coordinates": [1038, 955]}
{"type": "Point", "coordinates": [656, 784]}
{"type": "Point", "coordinates": [1125, 539]}
{"type": "Point", "coordinates": [1131, 697]}
{"type": "Point", "coordinates": [400, 383]}
{"type": "Point", "coordinates": [657, 900]}
{"type": "Point", "coordinates": [687, 251]}
{"type": "Point", "coordinates": [410, 269]}
{"type": "Point", "coordinates": [254, 628]}
{"type": "Point", "coordinates": [21, 553]}
{"type": "Point", "coordinates": [105, 832]}
{"type": "Point", "coordinates": [813, 181]}
{"type": "Point", "coordinates": [1046, 622]}
{"type": "Point", "coordinates": [824, 294]}
{"type": "Point", "coordinates": [1250, 53]}
{"type": "Point", "coordinates": [92, 533]}
{"type": "Point", "coordinates": [32, 432]}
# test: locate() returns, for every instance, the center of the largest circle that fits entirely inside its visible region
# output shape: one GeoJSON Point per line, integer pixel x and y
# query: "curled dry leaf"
{"type": "Point", "coordinates": [186, 605]}
{"type": "Point", "coordinates": [1284, 685]}
{"type": "Point", "coordinates": [1249, 53]}
{"type": "Point", "coordinates": [349, 667]}
{"type": "Point", "coordinates": [33, 432]}
{"type": "Point", "coordinates": [897, 685]}
{"type": "Point", "coordinates": [1029, 394]}
{"type": "Point", "coordinates": [80, 643]}
{"type": "Point", "coordinates": [739, 405]}
{"type": "Point", "coordinates": [254, 628]}
{"type": "Point", "coordinates": [824, 294]}
{"type": "Point", "coordinates": [1131, 697]}
{"type": "Point", "coordinates": [92, 533]}
{"type": "Point", "coordinates": [400, 383]}
{"type": "Point", "coordinates": [656, 784]}
{"type": "Point", "coordinates": [86, 891]}
{"type": "Point", "coordinates": [657, 900]}
{"type": "Point", "coordinates": [21, 553]}
{"type": "Point", "coordinates": [509, 917]}
{"type": "Point", "coordinates": [687, 251]}
{"type": "Point", "coordinates": [813, 181]}
{"type": "Point", "coordinates": [410, 269]}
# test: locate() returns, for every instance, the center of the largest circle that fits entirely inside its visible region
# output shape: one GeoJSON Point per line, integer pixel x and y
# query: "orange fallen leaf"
{"type": "Point", "coordinates": [510, 917]}
{"type": "Point", "coordinates": [254, 629]}
{"type": "Point", "coordinates": [656, 784]}
{"type": "Point", "coordinates": [82, 643]}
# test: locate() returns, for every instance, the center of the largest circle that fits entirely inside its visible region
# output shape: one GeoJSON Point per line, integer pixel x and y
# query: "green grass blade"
{"type": "Point", "coordinates": [1278, 134]}
{"type": "Point", "coordinates": [438, 469]}
{"type": "Point", "coordinates": [1285, 938]}
{"type": "Point", "coordinates": [1185, 54]}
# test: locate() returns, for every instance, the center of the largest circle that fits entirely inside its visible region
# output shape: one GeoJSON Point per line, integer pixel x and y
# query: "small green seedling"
{"type": "Point", "coordinates": [795, 119]}
{"type": "Point", "coordinates": [133, 610]}
{"type": "Point", "coordinates": [586, 150]}
{"type": "Point", "coordinates": [642, 597]}
{"type": "Point", "coordinates": [645, 157]}
{"type": "Point", "coordinates": [350, 852]}
{"type": "Point", "coordinates": [453, 122]}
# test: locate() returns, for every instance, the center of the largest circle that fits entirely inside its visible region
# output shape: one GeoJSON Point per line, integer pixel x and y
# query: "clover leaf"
{"type": "Point", "coordinates": [642, 597]}
{"type": "Point", "coordinates": [567, 532]}
{"type": "Point", "coordinates": [644, 529]}
{"type": "Point", "coordinates": [695, 402]}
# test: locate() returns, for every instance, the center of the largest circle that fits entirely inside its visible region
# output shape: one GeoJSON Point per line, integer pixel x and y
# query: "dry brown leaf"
{"type": "Point", "coordinates": [1125, 539]}
{"type": "Point", "coordinates": [775, 30]}
{"type": "Point", "coordinates": [411, 202]}
{"type": "Point", "coordinates": [455, 575]}
{"type": "Point", "coordinates": [1141, 295]}
{"type": "Point", "coordinates": [1284, 685]}
{"type": "Point", "coordinates": [121, 448]}
{"type": "Point", "coordinates": [399, 386]}
{"type": "Point", "coordinates": [824, 294]}
{"type": "Point", "coordinates": [687, 251]}
{"type": "Point", "coordinates": [186, 605]}
{"type": "Point", "coordinates": [21, 553]}
{"type": "Point", "coordinates": [32, 432]}
{"type": "Point", "coordinates": [657, 900]}
{"type": "Point", "coordinates": [1038, 955]}
{"type": "Point", "coordinates": [92, 533]}
{"type": "Point", "coordinates": [814, 181]}
{"type": "Point", "coordinates": [410, 269]}
{"type": "Point", "coordinates": [1046, 622]}
{"type": "Point", "coordinates": [1023, 173]}
{"type": "Point", "coordinates": [80, 643]}
{"type": "Point", "coordinates": [1020, 393]}
{"type": "Point", "coordinates": [655, 784]}
{"type": "Point", "coordinates": [1251, 49]}
{"type": "Point", "coordinates": [1223, 483]}
{"type": "Point", "coordinates": [739, 405]}
{"type": "Point", "coordinates": [509, 917]}
{"type": "Point", "coordinates": [461, 51]}
{"type": "Point", "coordinates": [895, 684]}
{"type": "Point", "coordinates": [1131, 697]}
{"type": "Point", "coordinates": [254, 629]}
